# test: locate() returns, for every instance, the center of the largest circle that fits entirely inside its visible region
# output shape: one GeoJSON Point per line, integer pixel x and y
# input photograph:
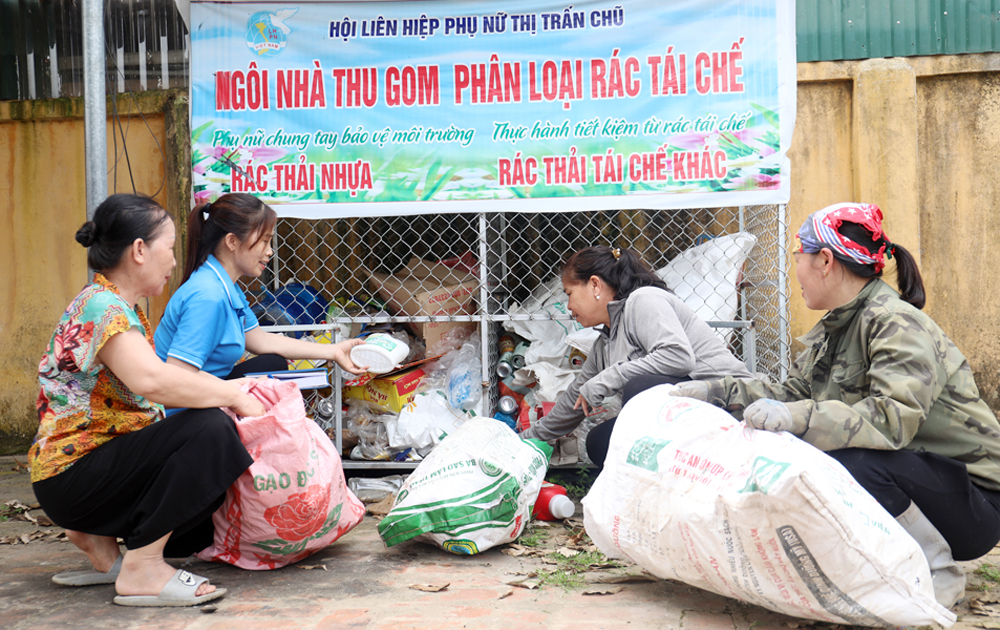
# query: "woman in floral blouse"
{"type": "Point", "coordinates": [105, 464]}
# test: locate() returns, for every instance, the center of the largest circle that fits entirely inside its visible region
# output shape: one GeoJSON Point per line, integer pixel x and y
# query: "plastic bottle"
{"type": "Point", "coordinates": [552, 503]}
{"type": "Point", "coordinates": [464, 381]}
{"type": "Point", "coordinates": [381, 353]}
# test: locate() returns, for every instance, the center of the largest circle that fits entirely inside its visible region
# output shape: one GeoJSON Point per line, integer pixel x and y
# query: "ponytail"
{"type": "Point", "coordinates": [234, 213]}
{"type": "Point", "coordinates": [619, 268]}
{"type": "Point", "coordinates": [195, 228]}
{"type": "Point", "coordinates": [911, 284]}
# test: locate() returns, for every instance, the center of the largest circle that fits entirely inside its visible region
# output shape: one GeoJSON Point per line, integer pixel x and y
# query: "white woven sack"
{"type": "Point", "coordinates": [474, 491]}
{"type": "Point", "coordinates": [690, 494]}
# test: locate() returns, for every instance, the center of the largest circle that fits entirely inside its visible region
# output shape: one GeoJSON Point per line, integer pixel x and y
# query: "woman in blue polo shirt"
{"type": "Point", "coordinates": [208, 323]}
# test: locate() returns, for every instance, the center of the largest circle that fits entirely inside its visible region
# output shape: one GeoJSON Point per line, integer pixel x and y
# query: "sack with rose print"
{"type": "Point", "coordinates": [293, 500]}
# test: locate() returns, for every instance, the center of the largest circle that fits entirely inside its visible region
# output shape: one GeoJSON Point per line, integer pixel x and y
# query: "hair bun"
{"type": "Point", "coordinates": [87, 234]}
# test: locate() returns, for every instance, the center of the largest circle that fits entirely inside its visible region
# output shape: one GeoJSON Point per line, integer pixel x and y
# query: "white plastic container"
{"type": "Point", "coordinates": [380, 352]}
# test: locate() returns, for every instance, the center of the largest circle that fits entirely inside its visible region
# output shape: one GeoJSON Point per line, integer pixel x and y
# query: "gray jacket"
{"type": "Point", "coordinates": [652, 332]}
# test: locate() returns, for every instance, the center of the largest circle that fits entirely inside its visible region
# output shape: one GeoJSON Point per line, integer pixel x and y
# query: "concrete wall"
{"type": "Point", "coordinates": [43, 195]}
{"type": "Point", "coordinates": [917, 136]}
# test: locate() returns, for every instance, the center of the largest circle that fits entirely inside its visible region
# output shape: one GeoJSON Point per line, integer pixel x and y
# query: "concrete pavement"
{"type": "Point", "coordinates": [358, 583]}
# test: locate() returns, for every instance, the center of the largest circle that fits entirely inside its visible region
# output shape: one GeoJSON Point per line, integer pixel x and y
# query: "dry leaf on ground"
{"type": "Point", "coordinates": [597, 577]}
{"type": "Point", "coordinates": [602, 590]}
{"type": "Point", "coordinates": [581, 538]}
{"type": "Point", "coordinates": [311, 567]}
{"type": "Point", "coordinates": [430, 588]}
{"type": "Point", "coordinates": [566, 552]}
{"type": "Point", "coordinates": [38, 534]}
{"type": "Point", "coordinates": [528, 584]}
{"type": "Point", "coordinates": [507, 593]}
{"type": "Point", "coordinates": [984, 606]}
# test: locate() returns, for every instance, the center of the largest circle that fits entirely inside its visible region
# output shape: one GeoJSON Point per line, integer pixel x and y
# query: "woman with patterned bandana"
{"type": "Point", "coordinates": [885, 392]}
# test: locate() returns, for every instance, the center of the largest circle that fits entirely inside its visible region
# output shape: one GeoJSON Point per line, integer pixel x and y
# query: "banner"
{"type": "Point", "coordinates": [357, 109]}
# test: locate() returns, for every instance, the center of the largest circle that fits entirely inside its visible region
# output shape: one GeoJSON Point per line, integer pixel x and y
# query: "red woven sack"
{"type": "Point", "coordinates": [293, 500]}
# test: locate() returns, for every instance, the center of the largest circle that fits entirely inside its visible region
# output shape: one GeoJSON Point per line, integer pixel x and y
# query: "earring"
{"type": "Point", "coordinates": [597, 297]}
{"type": "Point", "coordinates": [825, 273]}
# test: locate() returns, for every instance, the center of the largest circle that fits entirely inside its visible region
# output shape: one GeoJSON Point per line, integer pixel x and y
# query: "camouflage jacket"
{"type": "Point", "coordinates": [878, 373]}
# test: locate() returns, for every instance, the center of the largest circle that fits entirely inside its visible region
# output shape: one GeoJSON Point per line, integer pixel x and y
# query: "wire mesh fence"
{"type": "Point", "coordinates": [729, 264]}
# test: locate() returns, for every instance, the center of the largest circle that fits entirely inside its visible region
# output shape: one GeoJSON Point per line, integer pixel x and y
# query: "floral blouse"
{"type": "Point", "coordinates": [82, 404]}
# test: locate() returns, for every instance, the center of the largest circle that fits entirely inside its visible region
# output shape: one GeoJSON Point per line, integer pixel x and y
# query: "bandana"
{"type": "Point", "coordinates": [822, 227]}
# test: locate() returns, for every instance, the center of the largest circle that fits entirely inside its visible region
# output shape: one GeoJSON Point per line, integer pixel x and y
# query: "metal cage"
{"type": "Point", "coordinates": [511, 255]}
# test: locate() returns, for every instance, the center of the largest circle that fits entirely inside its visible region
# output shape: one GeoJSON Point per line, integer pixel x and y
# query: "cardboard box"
{"type": "Point", "coordinates": [433, 332]}
{"type": "Point", "coordinates": [425, 288]}
{"type": "Point", "coordinates": [391, 392]}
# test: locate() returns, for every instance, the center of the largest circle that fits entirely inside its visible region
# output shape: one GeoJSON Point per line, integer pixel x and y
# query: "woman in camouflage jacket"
{"type": "Point", "coordinates": [884, 391]}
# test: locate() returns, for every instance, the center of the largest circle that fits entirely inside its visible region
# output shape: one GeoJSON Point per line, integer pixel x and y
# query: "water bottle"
{"type": "Point", "coordinates": [552, 503]}
{"type": "Point", "coordinates": [460, 385]}
{"type": "Point", "coordinates": [507, 411]}
{"type": "Point", "coordinates": [464, 380]}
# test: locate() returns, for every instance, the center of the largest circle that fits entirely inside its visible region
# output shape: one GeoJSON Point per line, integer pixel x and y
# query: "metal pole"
{"type": "Point", "coordinates": [784, 347]}
{"type": "Point", "coordinates": [95, 116]}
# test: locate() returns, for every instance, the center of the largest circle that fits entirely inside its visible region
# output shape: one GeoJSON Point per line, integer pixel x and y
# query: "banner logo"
{"type": "Point", "coordinates": [267, 33]}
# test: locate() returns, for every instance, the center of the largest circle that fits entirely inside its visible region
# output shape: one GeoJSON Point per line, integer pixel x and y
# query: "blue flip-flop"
{"type": "Point", "coordinates": [90, 577]}
{"type": "Point", "coordinates": [179, 591]}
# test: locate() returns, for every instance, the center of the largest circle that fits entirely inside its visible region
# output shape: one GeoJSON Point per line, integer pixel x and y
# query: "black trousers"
{"type": "Point", "coordinates": [168, 477]}
{"type": "Point", "coordinates": [262, 363]}
{"type": "Point", "coordinates": [600, 436]}
{"type": "Point", "coordinates": [967, 515]}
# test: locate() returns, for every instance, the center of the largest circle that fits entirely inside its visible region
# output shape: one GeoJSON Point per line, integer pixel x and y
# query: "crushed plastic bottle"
{"type": "Point", "coordinates": [464, 383]}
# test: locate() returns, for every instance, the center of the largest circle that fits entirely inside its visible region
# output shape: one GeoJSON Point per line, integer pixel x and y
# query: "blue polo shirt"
{"type": "Point", "coordinates": [206, 321]}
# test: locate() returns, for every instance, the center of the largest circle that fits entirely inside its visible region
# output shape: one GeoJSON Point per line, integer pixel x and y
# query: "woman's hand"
{"type": "Point", "coordinates": [769, 415]}
{"type": "Point", "coordinates": [691, 389]}
{"type": "Point", "coordinates": [581, 403]}
{"type": "Point", "coordinates": [341, 353]}
{"type": "Point", "coordinates": [247, 406]}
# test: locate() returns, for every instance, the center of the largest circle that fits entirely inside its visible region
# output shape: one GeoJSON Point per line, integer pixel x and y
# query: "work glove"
{"type": "Point", "coordinates": [769, 415]}
{"type": "Point", "coordinates": [691, 389]}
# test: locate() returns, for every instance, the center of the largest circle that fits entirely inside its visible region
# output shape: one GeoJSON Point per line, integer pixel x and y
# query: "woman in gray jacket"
{"type": "Point", "coordinates": [648, 337]}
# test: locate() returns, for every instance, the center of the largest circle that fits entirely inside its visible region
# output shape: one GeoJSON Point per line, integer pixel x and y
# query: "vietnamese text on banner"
{"type": "Point", "coordinates": [356, 109]}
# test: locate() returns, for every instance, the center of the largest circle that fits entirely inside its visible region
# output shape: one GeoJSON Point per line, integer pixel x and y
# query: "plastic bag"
{"type": "Point", "coordinates": [690, 494]}
{"type": "Point", "coordinates": [293, 500]}
{"type": "Point", "coordinates": [424, 422]}
{"type": "Point", "coordinates": [367, 423]}
{"type": "Point", "coordinates": [707, 276]}
{"type": "Point", "coordinates": [375, 489]}
{"type": "Point", "coordinates": [547, 336]}
{"type": "Point", "coordinates": [474, 491]}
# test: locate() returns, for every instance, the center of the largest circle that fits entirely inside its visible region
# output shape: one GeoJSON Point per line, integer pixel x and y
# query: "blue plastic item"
{"type": "Point", "coordinates": [293, 304]}
{"type": "Point", "coordinates": [507, 419]}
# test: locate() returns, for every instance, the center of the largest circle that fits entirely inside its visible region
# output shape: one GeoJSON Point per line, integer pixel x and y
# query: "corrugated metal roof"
{"type": "Point", "coordinates": [828, 30]}
{"type": "Point", "coordinates": [147, 43]}
{"type": "Point", "coordinates": [41, 51]}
